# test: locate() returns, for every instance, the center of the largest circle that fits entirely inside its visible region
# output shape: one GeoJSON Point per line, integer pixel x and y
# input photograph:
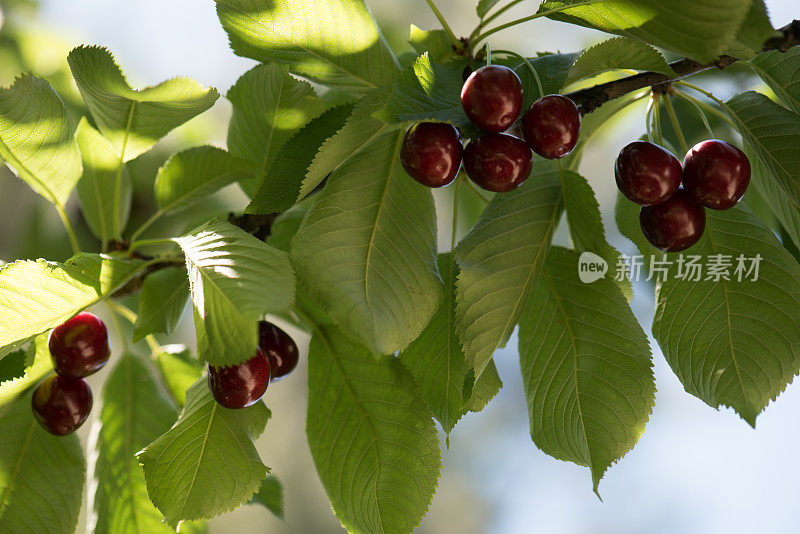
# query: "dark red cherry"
{"type": "Point", "coordinates": [61, 404]}
{"type": "Point", "coordinates": [551, 126]}
{"type": "Point", "coordinates": [279, 347]}
{"type": "Point", "coordinates": [716, 174]}
{"type": "Point", "coordinates": [646, 173]}
{"type": "Point", "coordinates": [80, 346]}
{"type": "Point", "coordinates": [674, 225]}
{"type": "Point", "coordinates": [492, 98]}
{"type": "Point", "coordinates": [240, 386]}
{"type": "Point", "coordinates": [498, 162]}
{"type": "Point", "coordinates": [431, 153]}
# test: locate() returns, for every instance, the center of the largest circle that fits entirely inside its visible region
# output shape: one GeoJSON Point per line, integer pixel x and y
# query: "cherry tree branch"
{"type": "Point", "coordinates": [591, 98]}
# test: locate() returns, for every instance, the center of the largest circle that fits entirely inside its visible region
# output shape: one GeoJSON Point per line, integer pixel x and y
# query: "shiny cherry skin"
{"type": "Point", "coordinates": [431, 153]}
{"type": "Point", "coordinates": [551, 126]}
{"type": "Point", "coordinates": [674, 225]}
{"type": "Point", "coordinates": [280, 348]}
{"type": "Point", "coordinates": [716, 174]}
{"type": "Point", "coordinates": [492, 98]}
{"type": "Point", "coordinates": [61, 404]}
{"type": "Point", "coordinates": [80, 346]}
{"type": "Point", "coordinates": [240, 386]}
{"type": "Point", "coordinates": [646, 173]}
{"type": "Point", "coordinates": [498, 162]}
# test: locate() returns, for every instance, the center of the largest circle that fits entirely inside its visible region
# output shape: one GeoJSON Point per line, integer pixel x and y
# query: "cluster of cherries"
{"type": "Point", "coordinates": [239, 386]}
{"type": "Point", "coordinates": [714, 174]}
{"type": "Point", "coordinates": [492, 99]}
{"type": "Point", "coordinates": [78, 348]}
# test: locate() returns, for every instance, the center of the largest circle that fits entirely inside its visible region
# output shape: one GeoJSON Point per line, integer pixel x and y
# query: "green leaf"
{"type": "Point", "coordinates": [41, 475]}
{"type": "Point", "coordinates": [136, 411]}
{"type": "Point", "coordinates": [500, 259]}
{"type": "Point", "coordinates": [484, 6]}
{"type": "Point", "coordinates": [366, 250]}
{"type": "Point", "coordinates": [134, 120]}
{"type": "Point", "coordinates": [586, 367]}
{"type": "Point", "coordinates": [332, 42]}
{"type": "Point", "coordinates": [360, 129]}
{"type": "Point", "coordinates": [778, 206]}
{"type": "Point", "coordinates": [734, 343]}
{"type": "Point", "coordinates": [13, 365]}
{"type": "Point", "coordinates": [98, 189]}
{"type": "Point", "coordinates": [552, 69]}
{"type": "Point", "coordinates": [161, 304]}
{"type": "Point", "coordinates": [179, 370]}
{"type": "Point", "coordinates": [428, 90]}
{"type": "Point", "coordinates": [435, 42]}
{"type": "Point", "coordinates": [486, 387]}
{"type": "Point", "coordinates": [36, 138]}
{"type": "Point", "coordinates": [618, 53]}
{"type": "Point", "coordinates": [626, 215]}
{"type": "Point", "coordinates": [234, 279]}
{"type": "Point", "coordinates": [191, 175]}
{"type": "Point", "coordinates": [755, 30]}
{"type": "Point", "coordinates": [371, 435]}
{"type": "Point", "coordinates": [781, 71]}
{"type": "Point", "coordinates": [270, 496]}
{"type": "Point", "coordinates": [772, 131]}
{"type": "Point", "coordinates": [36, 296]}
{"type": "Point", "coordinates": [586, 224]}
{"type": "Point", "coordinates": [37, 365]}
{"type": "Point", "coordinates": [206, 464]}
{"type": "Point", "coordinates": [704, 35]}
{"type": "Point", "coordinates": [435, 358]}
{"type": "Point", "coordinates": [285, 226]}
{"type": "Point", "coordinates": [280, 186]}
{"type": "Point", "coordinates": [269, 107]}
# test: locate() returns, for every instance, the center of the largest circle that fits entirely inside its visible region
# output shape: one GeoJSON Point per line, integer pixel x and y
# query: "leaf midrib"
{"type": "Point", "coordinates": [188, 492]}
{"type": "Point", "coordinates": [17, 465]}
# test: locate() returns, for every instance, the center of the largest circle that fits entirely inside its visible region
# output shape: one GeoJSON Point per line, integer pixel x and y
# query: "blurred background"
{"type": "Point", "coordinates": [694, 471]}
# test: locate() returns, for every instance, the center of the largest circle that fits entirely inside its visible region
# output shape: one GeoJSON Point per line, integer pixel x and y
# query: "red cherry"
{"type": "Point", "coordinates": [552, 126]}
{"type": "Point", "coordinates": [80, 346]}
{"type": "Point", "coordinates": [431, 153]}
{"type": "Point", "coordinates": [498, 162]}
{"type": "Point", "coordinates": [280, 348]}
{"type": "Point", "coordinates": [674, 225]}
{"type": "Point", "coordinates": [61, 404]}
{"type": "Point", "coordinates": [646, 173]}
{"type": "Point", "coordinates": [492, 98]}
{"type": "Point", "coordinates": [716, 174]}
{"type": "Point", "coordinates": [240, 386]}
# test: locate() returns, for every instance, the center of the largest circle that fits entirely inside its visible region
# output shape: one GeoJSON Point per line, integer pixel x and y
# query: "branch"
{"type": "Point", "coordinates": [591, 98]}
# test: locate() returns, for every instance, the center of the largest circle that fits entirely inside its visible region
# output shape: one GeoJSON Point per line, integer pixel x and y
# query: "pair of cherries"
{"type": "Point", "coordinates": [240, 386]}
{"type": "Point", "coordinates": [78, 348]}
{"type": "Point", "coordinates": [714, 175]}
{"type": "Point", "coordinates": [492, 99]}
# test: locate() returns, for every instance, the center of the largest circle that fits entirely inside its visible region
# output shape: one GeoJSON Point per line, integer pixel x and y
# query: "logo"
{"type": "Point", "coordinates": [591, 267]}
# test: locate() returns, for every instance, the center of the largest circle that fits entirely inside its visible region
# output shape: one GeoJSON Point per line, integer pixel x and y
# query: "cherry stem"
{"type": "Point", "coordinates": [73, 238]}
{"type": "Point", "coordinates": [445, 26]}
{"type": "Point", "coordinates": [530, 66]}
{"type": "Point", "coordinates": [657, 117]}
{"type": "Point", "coordinates": [721, 104]}
{"type": "Point", "coordinates": [699, 109]}
{"type": "Point", "coordinates": [540, 14]}
{"type": "Point", "coordinates": [139, 231]}
{"type": "Point", "coordinates": [496, 14]}
{"type": "Point", "coordinates": [128, 314]}
{"type": "Point", "coordinates": [648, 119]}
{"type": "Point", "coordinates": [118, 327]}
{"type": "Point", "coordinates": [673, 118]}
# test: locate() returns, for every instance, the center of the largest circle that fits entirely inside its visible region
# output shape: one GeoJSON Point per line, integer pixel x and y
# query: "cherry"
{"type": "Point", "coordinates": [61, 404]}
{"type": "Point", "coordinates": [279, 347]}
{"type": "Point", "coordinates": [498, 162]}
{"type": "Point", "coordinates": [431, 153]}
{"type": "Point", "coordinates": [716, 174]}
{"type": "Point", "coordinates": [240, 386]}
{"type": "Point", "coordinates": [551, 126]}
{"type": "Point", "coordinates": [79, 347]}
{"type": "Point", "coordinates": [674, 225]}
{"type": "Point", "coordinates": [646, 173]}
{"type": "Point", "coordinates": [492, 98]}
